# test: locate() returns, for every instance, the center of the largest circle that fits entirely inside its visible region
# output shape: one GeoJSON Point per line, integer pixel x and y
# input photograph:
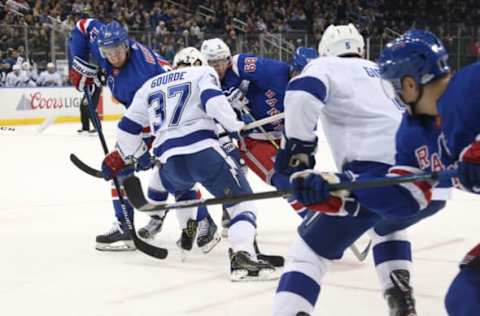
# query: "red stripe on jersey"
{"type": "Point", "coordinates": [198, 194]}
{"type": "Point", "coordinates": [424, 186]}
{"type": "Point", "coordinates": [297, 206]}
{"type": "Point", "coordinates": [146, 129]}
{"type": "Point", "coordinates": [81, 24]}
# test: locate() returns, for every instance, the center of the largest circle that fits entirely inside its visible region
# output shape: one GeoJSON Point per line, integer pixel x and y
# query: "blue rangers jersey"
{"type": "Point", "coordinates": [142, 64]}
{"type": "Point", "coordinates": [459, 107]}
{"type": "Point", "coordinates": [258, 84]}
{"type": "Point", "coordinates": [181, 107]}
{"type": "Point", "coordinates": [421, 147]}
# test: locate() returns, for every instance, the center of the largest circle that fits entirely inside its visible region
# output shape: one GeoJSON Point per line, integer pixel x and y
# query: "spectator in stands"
{"type": "Point", "coordinates": [50, 77]}
{"type": "Point", "coordinates": [12, 56]}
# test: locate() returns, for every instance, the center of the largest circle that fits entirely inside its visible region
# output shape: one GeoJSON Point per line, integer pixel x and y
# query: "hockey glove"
{"type": "Point", "coordinates": [144, 162]}
{"type": "Point", "coordinates": [469, 167]}
{"type": "Point", "coordinates": [234, 153]}
{"type": "Point", "coordinates": [312, 189]}
{"type": "Point", "coordinates": [83, 75]}
{"type": "Point", "coordinates": [112, 165]}
{"type": "Point", "coordinates": [295, 155]}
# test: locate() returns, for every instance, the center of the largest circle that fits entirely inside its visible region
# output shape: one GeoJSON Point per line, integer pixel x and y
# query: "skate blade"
{"type": "Point", "coordinates": [208, 247]}
{"type": "Point", "coordinates": [263, 275]}
{"type": "Point", "coordinates": [116, 246]}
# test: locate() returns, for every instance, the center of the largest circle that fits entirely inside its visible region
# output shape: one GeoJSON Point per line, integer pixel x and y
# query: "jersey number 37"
{"type": "Point", "coordinates": [175, 98]}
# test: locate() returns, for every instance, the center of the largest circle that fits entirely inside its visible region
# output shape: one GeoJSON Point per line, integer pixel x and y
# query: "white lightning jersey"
{"type": "Point", "coordinates": [47, 79]}
{"type": "Point", "coordinates": [16, 81]}
{"type": "Point", "coordinates": [358, 118]}
{"type": "Point", "coordinates": [180, 106]}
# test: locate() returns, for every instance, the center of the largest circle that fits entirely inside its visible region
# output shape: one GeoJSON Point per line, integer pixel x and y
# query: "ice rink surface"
{"type": "Point", "coordinates": [50, 213]}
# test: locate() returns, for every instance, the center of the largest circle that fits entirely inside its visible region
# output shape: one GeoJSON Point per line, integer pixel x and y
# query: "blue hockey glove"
{"type": "Point", "coordinates": [234, 152]}
{"type": "Point", "coordinates": [469, 167]}
{"type": "Point", "coordinates": [312, 189]}
{"type": "Point", "coordinates": [144, 162]}
{"type": "Point", "coordinates": [295, 155]}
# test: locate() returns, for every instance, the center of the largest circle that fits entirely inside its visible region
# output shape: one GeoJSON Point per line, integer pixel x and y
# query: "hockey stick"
{"type": "Point", "coordinates": [98, 174]}
{"type": "Point", "coordinates": [84, 167]}
{"type": "Point", "coordinates": [137, 198]}
{"type": "Point", "coordinates": [360, 255]}
{"type": "Point", "coordinates": [259, 123]}
{"type": "Point", "coordinates": [267, 135]}
{"type": "Point", "coordinates": [157, 252]}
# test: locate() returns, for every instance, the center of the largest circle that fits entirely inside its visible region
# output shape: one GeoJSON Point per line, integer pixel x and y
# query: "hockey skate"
{"type": "Point", "coordinates": [244, 268]}
{"type": "Point", "coordinates": [118, 238]}
{"type": "Point", "coordinates": [400, 297]}
{"type": "Point", "coordinates": [208, 236]}
{"type": "Point", "coordinates": [152, 228]}
{"type": "Point", "coordinates": [185, 243]}
{"type": "Point", "coordinates": [225, 223]}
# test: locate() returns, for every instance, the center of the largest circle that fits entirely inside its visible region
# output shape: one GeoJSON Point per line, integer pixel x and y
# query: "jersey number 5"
{"type": "Point", "coordinates": [159, 101]}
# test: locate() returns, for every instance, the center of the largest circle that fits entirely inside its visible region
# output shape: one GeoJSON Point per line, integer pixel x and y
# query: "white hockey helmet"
{"type": "Point", "coordinates": [215, 49]}
{"type": "Point", "coordinates": [341, 40]}
{"type": "Point", "coordinates": [189, 56]}
{"type": "Point", "coordinates": [26, 66]}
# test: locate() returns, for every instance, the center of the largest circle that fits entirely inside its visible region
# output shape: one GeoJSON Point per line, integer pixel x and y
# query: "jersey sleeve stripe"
{"type": "Point", "coordinates": [129, 126]}
{"type": "Point", "coordinates": [421, 191]}
{"type": "Point", "coordinates": [311, 85]}
{"type": "Point", "coordinates": [207, 95]}
{"type": "Point", "coordinates": [82, 25]}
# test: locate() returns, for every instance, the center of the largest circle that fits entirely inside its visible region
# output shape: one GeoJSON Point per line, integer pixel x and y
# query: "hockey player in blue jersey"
{"type": "Point", "coordinates": [358, 118]}
{"type": "Point", "coordinates": [455, 100]}
{"type": "Point", "coordinates": [128, 64]}
{"type": "Point", "coordinates": [183, 108]}
{"type": "Point", "coordinates": [255, 87]}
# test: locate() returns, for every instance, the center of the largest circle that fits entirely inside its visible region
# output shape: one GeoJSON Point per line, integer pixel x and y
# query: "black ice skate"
{"type": "Point", "coordinates": [208, 236]}
{"type": "Point", "coordinates": [118, 238]}
{"type": "Point", "coordinates": [244, 268]}
{"type": "Point", "coordinates": [225, 222]}
{"type": "Point", "coordinates": [153, 227]}
{"type": "Point", "coordinates": [400, 297]}
{"type": "Point", "coordinates": [185, 243]}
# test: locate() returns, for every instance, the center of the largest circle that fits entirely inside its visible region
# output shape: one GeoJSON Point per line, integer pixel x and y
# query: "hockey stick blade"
{"type": "Point", "coordinates": [84, 167]}
{"type": "Point", "coordinates": [153, 251]}
{"type": "Point", "coordinates": [361, 256]}
{"type": "Point", "coordinates": [144, 206]}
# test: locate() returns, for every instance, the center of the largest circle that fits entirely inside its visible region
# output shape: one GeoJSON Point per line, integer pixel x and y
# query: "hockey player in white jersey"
{"type": "Point", "coordinates": [49, 77]}
{"type": "Point", "coordinates": [18, 78]}
{"type": "Point", "coordinates": [360, 122]}
{"type": "Point", "coordinates": [181, 107]}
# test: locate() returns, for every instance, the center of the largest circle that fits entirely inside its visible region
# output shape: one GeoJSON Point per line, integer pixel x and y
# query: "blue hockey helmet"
{"type": "Point", "coordinates": [417, 53]}
{"type": "Point", "coordinates": [302, 56]}
{"type": "Point", "coordinates": [111, 36]}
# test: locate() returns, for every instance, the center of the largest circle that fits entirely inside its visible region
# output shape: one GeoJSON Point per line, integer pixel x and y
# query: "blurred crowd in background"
{"type": "Point", "coordinates": [33, 34]}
